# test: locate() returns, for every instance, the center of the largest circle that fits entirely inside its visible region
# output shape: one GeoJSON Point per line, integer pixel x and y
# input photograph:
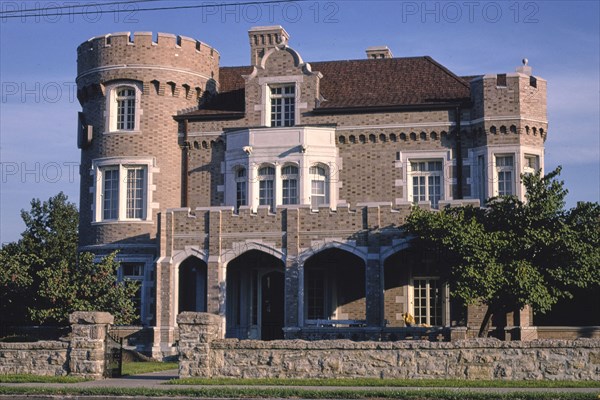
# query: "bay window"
{"type": "Point", "coordinates": [319, 190]}
{"type": "Point", "coordinates": [289, 180]}
{"type": "Point", "coordinates": [266, 186]}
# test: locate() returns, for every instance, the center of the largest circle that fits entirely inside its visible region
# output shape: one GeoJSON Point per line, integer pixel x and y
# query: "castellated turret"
{"type": "Point", "coordinates": [129, 87]}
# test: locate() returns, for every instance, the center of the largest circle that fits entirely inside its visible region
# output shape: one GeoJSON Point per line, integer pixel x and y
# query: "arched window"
{"type": "Point", "coordinates": [266, 186]}
{"type": "Point", "coordinates": [241, 198]}
{"type": "Point", "coordinates": [289, 180]}
{"type": "Point", "coordinates": [125, 99]}
{"type": "Point", "coordinates": [319, 185]}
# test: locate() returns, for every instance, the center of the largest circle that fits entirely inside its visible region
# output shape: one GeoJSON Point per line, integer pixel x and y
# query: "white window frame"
{"type": "Point", "coordinates": [324, 179]}
{"type": "Point", "coordinates": [527, 161]}
{"type": "Point", "coordinates": [427, 176]}
{"type": "Point", "coordinates": [267, 201]}
{"type": "Point", "coordinates": [503, 169]}
{"type": "Point", "coordinates": [445, 303]}
{"type": "Point", "coordinates": [290, 176]}
{"type": "Point", "coordinates": [122, 165]}
{"type": "Point", "coordinates": [271, 81]}
{"type": "Point", "coordinates": [490, 178]}
{"type": "Point", "coordinates": [404, 160]}
{"type": "Point", "coordinates": [284, 117]}
{"type": "Point", "coordinates": [111, 112]}
{"type": "Point", "coordinates": [241, 186]}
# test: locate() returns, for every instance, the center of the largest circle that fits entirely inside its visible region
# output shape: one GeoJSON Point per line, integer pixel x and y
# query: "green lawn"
{"type": "Point", "coordinates": [26, 378]}
{"type": "Point", "coordinates": [142, 367]}
{"type": "Point", "coordinates": [283, 392]}
{"type": "Point", "coordinates": [369, 382]}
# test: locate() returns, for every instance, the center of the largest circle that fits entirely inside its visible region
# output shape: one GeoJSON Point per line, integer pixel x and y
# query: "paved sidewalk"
{"type": "Point", "coordinates": [156, 380]}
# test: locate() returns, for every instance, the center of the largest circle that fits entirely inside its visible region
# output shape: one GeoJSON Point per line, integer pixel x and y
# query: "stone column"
{"type": "Point", "coordinates": [87, 346]}
{"type": "Point", "coordinates": [196, 331]}
{"type": "Point", "coordinates": [373, 290]}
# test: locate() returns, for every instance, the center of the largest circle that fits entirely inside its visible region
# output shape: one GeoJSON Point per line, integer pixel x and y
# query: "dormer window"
{"type": "Point", "coordinates": [283, 105]}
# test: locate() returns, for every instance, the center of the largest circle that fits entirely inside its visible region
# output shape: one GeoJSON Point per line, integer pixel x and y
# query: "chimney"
{"type": "Point", "coordinates": [379, 52]}
{"type": "Point", "coordinates": [263, 38]}
{"type": "Point", "coordinates": [524, 69]}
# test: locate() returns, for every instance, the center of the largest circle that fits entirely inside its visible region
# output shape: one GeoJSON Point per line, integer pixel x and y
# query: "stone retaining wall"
{"type": "Point", "coordinates": [203, 354]}
{"type": "Point", "coordinates": [38, 358]}
{"type": "Point", "coordinates": [80, 354]}
{"type": "Point", "coordinates": [469, 359]}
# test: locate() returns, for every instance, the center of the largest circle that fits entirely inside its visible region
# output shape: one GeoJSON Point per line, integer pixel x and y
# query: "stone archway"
{"type": "Point", "coordinates": [192, 291]}
{"type": "Point", "coordinates": [255, 296]}
{"type": "Point", "coordinates": [334, 286]}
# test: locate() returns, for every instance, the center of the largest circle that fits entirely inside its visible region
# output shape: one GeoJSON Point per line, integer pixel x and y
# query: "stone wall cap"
{"type": "Point", "coordinates": [91, 317]}
{"type": "Point", "coordinates": [198, 318]}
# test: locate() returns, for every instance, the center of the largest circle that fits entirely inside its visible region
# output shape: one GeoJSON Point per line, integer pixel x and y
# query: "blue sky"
{"type": "Point", "coordinates": [38, 110]}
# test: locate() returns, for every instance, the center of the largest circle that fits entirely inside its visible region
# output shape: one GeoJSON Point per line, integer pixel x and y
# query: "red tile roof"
{"type": "Point", "coordinates": [414, 81]}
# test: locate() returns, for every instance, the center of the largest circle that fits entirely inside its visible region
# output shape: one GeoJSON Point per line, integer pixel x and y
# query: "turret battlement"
{"type": "Point", "coordinates": [147, 49]}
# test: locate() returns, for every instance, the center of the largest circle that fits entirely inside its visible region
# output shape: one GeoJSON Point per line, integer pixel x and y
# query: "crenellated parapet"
{"type": "Point", "coordinates": [166, 64]}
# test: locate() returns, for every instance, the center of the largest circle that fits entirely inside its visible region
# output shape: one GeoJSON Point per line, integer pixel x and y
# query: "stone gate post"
{"type": "Point", "coordinates": [88, 341]}
{"type": "Point", "coordinates": [196, 331]}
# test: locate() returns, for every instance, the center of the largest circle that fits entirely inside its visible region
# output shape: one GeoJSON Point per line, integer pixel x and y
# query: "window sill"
{"type": "Point", "coordinates": [123, 221]}
{"type": "Point", "coordinates": [124, 132]}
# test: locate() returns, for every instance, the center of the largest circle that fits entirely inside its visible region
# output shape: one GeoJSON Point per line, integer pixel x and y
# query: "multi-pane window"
{"type": "Point", "coordinates": [531, 164]}
{"type": "Point", "coordinates": [240, 187]}
{"type": "Point", "coordinates": [505, 174]}
{"type": "Point", "coordinates": [123, 192]}
{"type": "Point", "coordinates": [289, 180]}
{"type": "Point", "coordinates": [283, 105]}
{"type": "Point", "coordinates": [318, 186]}
{"type": "Point", "coordinates": [266, 186]}
{"type": "Point", "coordinates": [481, 167]}
{"type": "Point", "coordinates": [428, 299]}
{"type": "Point", "coordinates": [135, 192]}
{"type": "Point", "coordinates": [125, 108]}
{"type": "Point", "coordinates": [110, 193]}
{"type": "Point", "coordinates": [315, 294]}
{"type": "Point", "coordinates": [134, 271]}
{"type": "Point", "coordinates": [427, 181]}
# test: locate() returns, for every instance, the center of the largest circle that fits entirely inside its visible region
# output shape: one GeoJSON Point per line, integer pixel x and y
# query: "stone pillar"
{"type": "Point", "coordinates": [522, 325]}
{"type": "Point", "coordinates": [87, 346]}
{"type": "Point", "coordinates": [196, 331]}
{"type": "Point", "coordinates": [373, 290]}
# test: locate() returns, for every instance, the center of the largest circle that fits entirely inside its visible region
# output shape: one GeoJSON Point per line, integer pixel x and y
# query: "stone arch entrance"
{"type": "Point", "coordinates": [255, 296]}
{"type": "Point", "coordinates": [334, 287]}
{"type": "Point", "coordinates": [192, 285]}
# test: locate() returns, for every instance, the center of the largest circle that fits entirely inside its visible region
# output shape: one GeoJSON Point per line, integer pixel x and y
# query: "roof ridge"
{"type": "Point", "coordinates": [447, 71]}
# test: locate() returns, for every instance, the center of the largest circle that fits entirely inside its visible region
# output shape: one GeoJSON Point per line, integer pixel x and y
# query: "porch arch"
{"type": "Point", "coordinates": [255, 295]}
{"type": "Point", "coordinates": [334, 285]}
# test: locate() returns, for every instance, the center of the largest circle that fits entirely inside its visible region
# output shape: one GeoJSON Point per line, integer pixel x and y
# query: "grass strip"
{"type": "Point", "coordinates": [26, 378]}
{"type": "Point", "coordinates": [370, 382]}
{"type": "Point", "coordinates": [144, 367]}
{"type": "Point", "coordinates": [225, 392]}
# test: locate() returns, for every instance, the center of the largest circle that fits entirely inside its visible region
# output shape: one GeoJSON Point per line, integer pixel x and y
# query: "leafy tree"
{"type": "Point", "coordinates": [514, 253]}
{"type": "Point", "coordinates": [42, 278]}
{"type": "Point", "coordinates": [90, 286]}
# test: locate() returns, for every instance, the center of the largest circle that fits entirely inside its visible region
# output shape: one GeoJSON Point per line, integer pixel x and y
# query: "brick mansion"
{"type": "Point", "coordinates": [274, 194]}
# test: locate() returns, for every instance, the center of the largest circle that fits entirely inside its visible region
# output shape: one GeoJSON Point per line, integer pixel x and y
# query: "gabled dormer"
{"type": "Point", "coordinates": [281, 86]}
